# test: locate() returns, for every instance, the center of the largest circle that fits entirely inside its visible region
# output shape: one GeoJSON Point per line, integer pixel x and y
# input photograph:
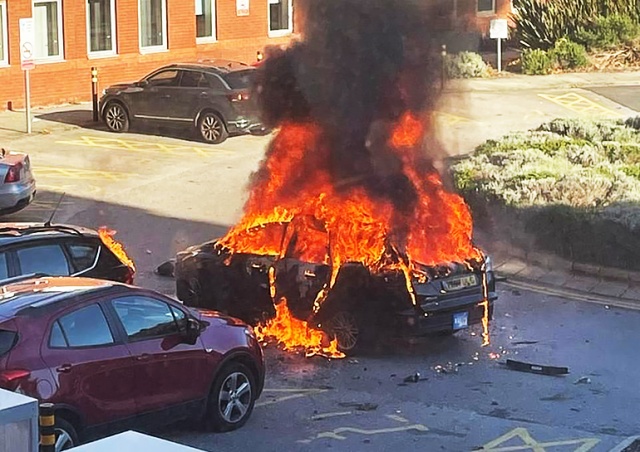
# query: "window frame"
{"type": "Point", "coordinates": [4, 36]}
{"type": "Point", "coordinates": [114, 36]}
{"type": "Point", "coordinates": [165, 43]}
{"type": "Point", "coordinates": [60, 56]}
{"type": "Point", "coordinates": [486, 12]}
{"type": "Point", "coordinates": [114, 334]}
{"type": "Point", "coordinates": [285, 31]}
{"type": "Point", "coordinates": [214, 26]}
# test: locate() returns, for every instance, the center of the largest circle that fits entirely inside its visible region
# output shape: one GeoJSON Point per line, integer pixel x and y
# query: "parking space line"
{"type": "Point", "coordinates": [81, 174]}
{"type": "Point", "coordinates": [139, 146]}
{"type": "Point", "coordinates": [319, 417]}
{"type": "Point", "coordinates": [580, 104]}
{"type": "Point", "coordinates": [500, 444]}
{"type": "Point", "coordinates": [292, 394]}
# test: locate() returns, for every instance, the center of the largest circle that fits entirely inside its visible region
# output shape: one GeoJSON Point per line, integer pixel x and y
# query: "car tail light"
{"type": "Point", "coordinates": [239, 97]}
{"type": "Point", "coordinates": [13, 174]}
{"type": "Point", "coordinates": [11, 379]}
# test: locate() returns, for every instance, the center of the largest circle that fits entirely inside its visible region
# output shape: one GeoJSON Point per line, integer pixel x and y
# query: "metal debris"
{"type": "Point", "coordinates": [166, 268]}
{"type": "Point", "coordinates": [522, 366]}
{"type": "Point", "coordinates": [414, 378]}
{"type": "Point", "coordinates": [582, 381]}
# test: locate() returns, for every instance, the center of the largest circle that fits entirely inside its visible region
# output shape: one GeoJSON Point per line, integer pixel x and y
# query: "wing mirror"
{"type": "Point", "coordinates": [192, 331]}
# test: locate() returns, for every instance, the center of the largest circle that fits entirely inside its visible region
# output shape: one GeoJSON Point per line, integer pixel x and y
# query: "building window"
{"type": "Point", "coordinates": [153, 25]}
{"type": "Point", "coordinates": [205, 20]}
{"type": "Point", "coordinates": [47, 18]}
{"type": "Point", "coordinates": [280, 17]}
{"type": "Point", "coordinates": [101, 27]}
{"type": "Point", "coordinates": [486, 6]}
{"type": "Point", "coordinates": [4, 52]}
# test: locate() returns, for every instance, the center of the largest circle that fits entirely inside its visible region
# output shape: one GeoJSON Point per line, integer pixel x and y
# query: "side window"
{"type": "Point", "coordinates": [215, 83]}
{"type": "Point", "coordinates": [193, 79]}
{"type": "Point", "coordinates": [86, 327]}
{"type": "Point", "coordinates": [47, 259]}
{"type": "Point", "coordinates": [4, 269]}
{"type": "Point", "coordinates": [83, 255]}
{"type": "Point", "coordinates": [164, 78]}
{"type": "Point", "coordinates": [144, 317]}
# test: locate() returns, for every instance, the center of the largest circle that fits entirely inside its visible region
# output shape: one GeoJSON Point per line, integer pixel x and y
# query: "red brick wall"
{"type": "Point", "coordinates": [239, 38]}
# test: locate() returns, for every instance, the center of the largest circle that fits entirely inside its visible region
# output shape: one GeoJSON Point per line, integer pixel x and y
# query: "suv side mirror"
{"type": "Point", "coordinates": [142, 83]}
{"type": "Point", "coordinates": [192, 331]}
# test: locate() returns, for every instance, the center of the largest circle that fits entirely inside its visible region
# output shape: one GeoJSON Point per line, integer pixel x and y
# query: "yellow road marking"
{"type": "Point", "coordinates": [142, 146]}
{"type": "Point", "coordinates": [81, 174]}
{"type": "Point", "coordinates": [449, 119]}
{"type": "Point", "coordinates": [498, 444]}
{"type": "Point", "coordinates": [580, 104]}
{"type": "Point", "coordinates": [293, 394]}
{"type": "Point", "coordinates": [338, 433]}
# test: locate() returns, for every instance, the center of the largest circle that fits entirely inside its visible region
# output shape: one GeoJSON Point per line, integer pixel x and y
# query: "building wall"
{"type": "Point", "coordinates": [69, 81]}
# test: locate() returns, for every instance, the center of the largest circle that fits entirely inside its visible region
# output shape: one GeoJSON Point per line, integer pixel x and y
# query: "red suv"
{"type": "Point", "coordinates": [112, 357]}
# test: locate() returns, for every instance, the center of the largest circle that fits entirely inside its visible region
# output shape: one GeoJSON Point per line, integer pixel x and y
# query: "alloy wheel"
{"type": "Point", "coordinates": [211, 128]}
{"type": "Point", "coordinates": [64, 440]}
{"type": "Point", "coordinates": [234, 399]}
{"type": "Point", "coordinates": [344, 327]}
{"type": "Point", "coordinates": [116, 117]}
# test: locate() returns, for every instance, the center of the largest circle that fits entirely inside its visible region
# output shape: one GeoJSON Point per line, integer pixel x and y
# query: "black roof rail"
{"type": "Point", "coordinates": [16, 279]}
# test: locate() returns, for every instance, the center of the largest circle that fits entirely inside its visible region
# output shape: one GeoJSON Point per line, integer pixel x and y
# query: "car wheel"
{"type": "Point", "coordinates": [344, 327]}
{"type": "Point", "coordinates": [232, 398]}
{"type": "Point", "coordinates": [116, 117]}
{"type": "Point", "coordinates": [212, 128]}
{"type": "Point", "coordinates": [66, 436]}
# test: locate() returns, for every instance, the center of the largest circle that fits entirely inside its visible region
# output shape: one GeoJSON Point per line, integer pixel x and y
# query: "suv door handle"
{"type": "Point", "coordinates": [65, 368]}
{"type": "Point", "coordinates": [143, 357]}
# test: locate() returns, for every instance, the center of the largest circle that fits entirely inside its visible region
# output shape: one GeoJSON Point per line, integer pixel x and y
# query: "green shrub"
{"type": "Point", "coordinates": [568, 54]}
{"type": "Point", "coordinates": [536, 62]}
{"type": "Point", "coordinates": [608, 32]}
{"type": "Point", "coordinates": [466, 65]}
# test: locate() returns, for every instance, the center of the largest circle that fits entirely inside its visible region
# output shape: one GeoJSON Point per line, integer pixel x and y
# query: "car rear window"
{"type": "Point", "coordinates": [47, 259]}
{"type": "Point", "coordinates": [83, 255]}
{"type": "Point", "coordinates": [240, 79]}
{"type": "Point", "coordinates": [7, 340]}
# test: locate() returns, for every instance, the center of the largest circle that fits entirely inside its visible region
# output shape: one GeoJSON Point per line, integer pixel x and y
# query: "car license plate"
{"type": "Point", "coordinates": [460, 283]}
{"type": "Point", "coordinates": [460, 320]}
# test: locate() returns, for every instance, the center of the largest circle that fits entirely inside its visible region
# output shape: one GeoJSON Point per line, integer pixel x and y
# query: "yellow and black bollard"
{"type": "Point", "coordinates": [47, 428]}
{"type": "Point", "coordinates": [94, 92]}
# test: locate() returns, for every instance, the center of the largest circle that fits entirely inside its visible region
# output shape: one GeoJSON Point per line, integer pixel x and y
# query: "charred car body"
{"type": "Point", "coordinates": [358, 306]}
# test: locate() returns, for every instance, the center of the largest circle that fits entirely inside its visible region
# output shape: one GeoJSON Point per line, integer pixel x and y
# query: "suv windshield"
{"type": "Point", "coordinates": [240, 79]}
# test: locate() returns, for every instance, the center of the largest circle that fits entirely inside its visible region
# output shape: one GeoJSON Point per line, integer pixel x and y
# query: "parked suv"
{"type": "Point", "coordinates": [213, 97]}
{"type": "Point", "coordinates": [112, 357]}
{"type": "Point", "coordinates": [58, 250]}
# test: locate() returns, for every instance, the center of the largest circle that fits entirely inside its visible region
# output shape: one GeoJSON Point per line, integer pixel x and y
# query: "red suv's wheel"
{"type": "Point", "coordinates": [66, 436]}
{"type": "Point", "coordinates": [232, 398]}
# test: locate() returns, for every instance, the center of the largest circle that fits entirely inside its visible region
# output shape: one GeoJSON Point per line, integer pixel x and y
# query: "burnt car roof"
{"type": "Point", "coordinates": [19, 232]}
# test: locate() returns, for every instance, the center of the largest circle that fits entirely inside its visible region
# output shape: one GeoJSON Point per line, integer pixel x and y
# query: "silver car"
{"type": "Point", "coordinates": [17, 184]}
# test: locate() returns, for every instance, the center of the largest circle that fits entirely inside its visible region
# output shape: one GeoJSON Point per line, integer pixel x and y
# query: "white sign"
{"type": "Point", "coordinates": [242, 7]}
{"type": "Point", "coordinates": [27, 39]}
{"type": "Point", "coordinates": [199, 9]}
{"type": "Point", "coordinates": [499, 29]}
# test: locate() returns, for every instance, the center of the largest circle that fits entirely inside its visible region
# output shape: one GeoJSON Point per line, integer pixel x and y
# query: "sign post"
{"type": "Point", "coordinates": [27, 62]}
{"type": "Point", "coordinates": [499, 30]}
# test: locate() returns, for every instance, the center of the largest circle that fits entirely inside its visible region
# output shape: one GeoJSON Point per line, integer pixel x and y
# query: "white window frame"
{"type": "Point", "coordinates": [214, 28]}
{"type": "Point", "coordinates": [490, 12]}
{"type": "Point", "coordinates": [5, 35]}
{"type": "Point", "coordinates": [159, 48]}
{"type": "Point", "coordinates": [114, 44]}
{"type": "Point", "coordinates": [60, 56]}
{"type": "Point", "coordinates": [285, 32]}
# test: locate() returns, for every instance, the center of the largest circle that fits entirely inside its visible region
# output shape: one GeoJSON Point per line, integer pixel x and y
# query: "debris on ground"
{"type": "Point", "coordinates": [449, 368]}
{"type": "Point", "coordinates": [524, 342]}
{"type": "Point", "coordinates": [413, 378]}
{"type": "Point", "coordinates": [522, 366]}
{"type": "Point", "coordinates": [582, 381]}
{"type": "Point", "coordinates": [359, 406]}
{"type": "Point", "coordinates": [166, 268]}
{"type": "Point", "coordinates": [353, 361]}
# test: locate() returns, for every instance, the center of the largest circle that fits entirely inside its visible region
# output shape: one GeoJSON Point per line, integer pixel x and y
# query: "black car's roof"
{"type": "Point", "coordinates": [19, 232]}
{"type": "Point", "coordinates": [215, 66]}
{"type": "Point", "coordinates": [40, 292]}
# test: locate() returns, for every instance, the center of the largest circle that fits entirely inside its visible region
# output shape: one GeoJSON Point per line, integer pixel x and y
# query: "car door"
{"type": "Point", "coordinates": [91, 365]}
{"type": "Point", "coordinates": [193, 94]}
{"type": "Point", "coordinates": [155, 99]}
{"type": "Point", "coordinates": [168, 371]}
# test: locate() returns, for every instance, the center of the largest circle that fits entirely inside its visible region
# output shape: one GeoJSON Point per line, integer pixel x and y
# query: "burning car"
{"type": "Point", "coordinates": [362, 301]}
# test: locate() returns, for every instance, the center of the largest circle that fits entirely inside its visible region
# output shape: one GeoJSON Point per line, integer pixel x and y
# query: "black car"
{"type": "Point", "coordinates": [58, 250]}
{"type": "Point", "coordinates": [213, 97]}
{"type": "Point", "coordinates": [360, 304]}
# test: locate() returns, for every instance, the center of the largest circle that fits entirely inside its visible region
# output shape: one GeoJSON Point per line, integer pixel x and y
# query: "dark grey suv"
{"type": "Point", "coordinates": [213, 97]}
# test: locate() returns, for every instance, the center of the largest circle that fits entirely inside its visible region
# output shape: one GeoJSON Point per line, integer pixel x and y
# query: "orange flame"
{"type": "Point", "coordinates": [116, 247]}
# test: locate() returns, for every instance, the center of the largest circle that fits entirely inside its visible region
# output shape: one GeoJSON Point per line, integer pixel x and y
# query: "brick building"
{"type": "Point", "coordinates": [126, 39]}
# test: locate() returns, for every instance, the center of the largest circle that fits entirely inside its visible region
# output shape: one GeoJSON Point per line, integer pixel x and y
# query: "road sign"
{"type": "Point", "coordinates": [499, 29]}
{"type": "Point", "coordinates": [27, 39]}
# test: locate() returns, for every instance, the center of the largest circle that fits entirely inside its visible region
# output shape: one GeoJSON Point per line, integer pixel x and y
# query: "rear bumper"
{"type": "Point", "coordinates": [244, 125]}
{"type": "Point", "coordinates": [17, 195]}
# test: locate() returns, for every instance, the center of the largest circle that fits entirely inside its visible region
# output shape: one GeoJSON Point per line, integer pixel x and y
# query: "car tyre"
{"type": "Point", "coordinates": [66, 435]}
{"type": "Point", "coordinates": [232, 398]}
{"type": "Point", "coordinates": [116, 117]}
{"type": "Point", "coordinates": [212, 128]}
{"type": "Point", "coordinates": [346, 329]}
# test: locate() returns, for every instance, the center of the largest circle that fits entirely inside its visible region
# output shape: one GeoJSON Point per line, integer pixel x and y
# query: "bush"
{"type": "Point", "coordinates": [569, 55]}
{"type": "Point", "coordinates": [536, 62]}
{"type": "Point", "coordinates": [466, 65]}
{"type": "Point", "coordinates": [608, 32]}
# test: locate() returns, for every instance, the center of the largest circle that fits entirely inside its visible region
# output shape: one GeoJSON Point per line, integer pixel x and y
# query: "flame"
{"type": "Point", "coordinates": [116, 247]}
{"type": "Point", "coordinates": [293, 193]}
{"type": "Point", "coordinates": [294, 334]}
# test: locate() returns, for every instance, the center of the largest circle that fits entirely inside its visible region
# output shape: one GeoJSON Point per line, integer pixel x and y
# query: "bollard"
{"type": "Point", "coordinates": [94, 92]}
{"type": "Point", "coordinates": [443, 75]}
{"type": "Point", "coordinates": [47, 428]}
